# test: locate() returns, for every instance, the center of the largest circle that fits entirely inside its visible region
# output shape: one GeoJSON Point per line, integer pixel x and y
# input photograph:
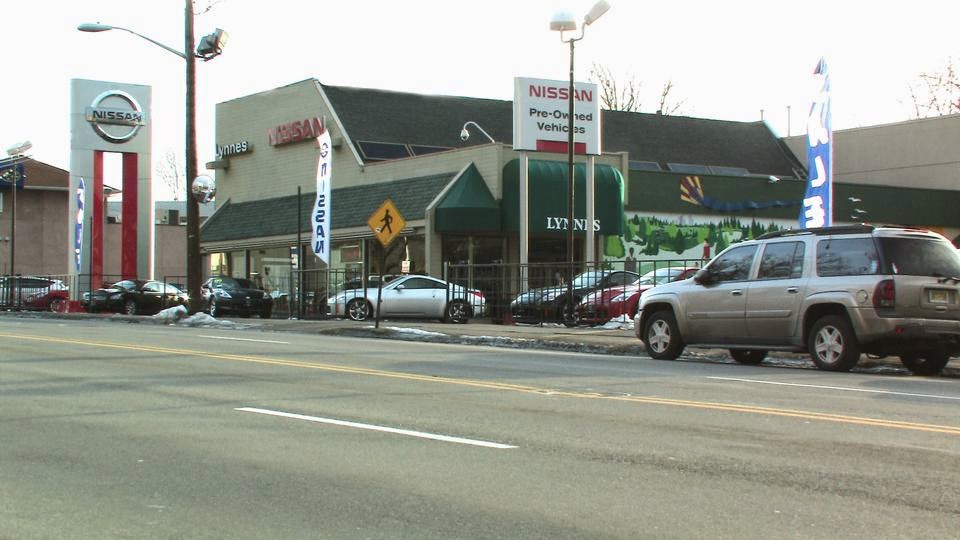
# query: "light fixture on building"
{"type": "Point", "coordinates": [464, 134]}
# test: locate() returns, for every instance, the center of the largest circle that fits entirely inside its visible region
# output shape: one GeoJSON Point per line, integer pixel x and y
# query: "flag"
{"type": "Point", "coordinates": [817, 208]}
{"type": "Point", "coordinates": [78, 228]}
{"type": "Point", "coordinates": [320, 218]}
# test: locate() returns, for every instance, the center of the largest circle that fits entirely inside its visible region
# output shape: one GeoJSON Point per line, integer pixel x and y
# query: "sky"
{"type": "Point", "coordinates": [732, 60]}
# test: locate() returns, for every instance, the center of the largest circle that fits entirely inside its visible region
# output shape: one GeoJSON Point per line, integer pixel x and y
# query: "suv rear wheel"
{"type": "Point", "coordinates": [832, 344]}
{"type": "Point", "coordinates": [926, 363]}
{"type": "Point", "coordinates": [662, 336]}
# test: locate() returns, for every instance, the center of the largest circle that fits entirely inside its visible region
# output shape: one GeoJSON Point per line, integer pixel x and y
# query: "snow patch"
{"type": "Point", "coordinates": [172, 315]}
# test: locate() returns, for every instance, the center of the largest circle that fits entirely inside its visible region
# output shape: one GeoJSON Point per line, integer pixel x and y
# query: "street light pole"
{"type": "Point", "coordinates": [563, 22]}
{"type": "Point", "coordinates": [16, 153]}
{"type": "Point", "coordinates": [210, 47]}
{"type": "Point", "coordinates": [194, 261]}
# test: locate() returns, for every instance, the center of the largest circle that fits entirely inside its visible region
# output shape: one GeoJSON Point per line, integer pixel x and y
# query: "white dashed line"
{"type": "Point", "coordinates": [372, 427]}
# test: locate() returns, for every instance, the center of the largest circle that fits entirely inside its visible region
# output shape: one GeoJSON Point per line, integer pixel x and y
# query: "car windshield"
{"type": "Point", "coordinates": [233, 284]}
{"type": "Point", "coordinates": [587, 280]}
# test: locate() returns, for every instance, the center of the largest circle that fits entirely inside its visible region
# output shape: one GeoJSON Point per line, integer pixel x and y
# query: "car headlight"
{"type": "Point", "coordinates": [621, 297]}
{"type": "Point", "coordinates": [221, 294]}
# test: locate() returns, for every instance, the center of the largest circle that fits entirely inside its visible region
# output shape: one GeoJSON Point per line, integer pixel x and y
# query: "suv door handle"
{"type": "Point", "coordinates": [793, 290]}
{"type": "Point", "coordinates": [736, 292]}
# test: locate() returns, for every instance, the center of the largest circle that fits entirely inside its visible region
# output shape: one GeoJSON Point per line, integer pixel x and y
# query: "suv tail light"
{"type": "Point", "coordinates": [885, 294]}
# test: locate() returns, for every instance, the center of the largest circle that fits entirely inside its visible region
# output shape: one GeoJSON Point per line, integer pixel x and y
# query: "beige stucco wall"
{"type": "Point", "coordinates": [923, 153]}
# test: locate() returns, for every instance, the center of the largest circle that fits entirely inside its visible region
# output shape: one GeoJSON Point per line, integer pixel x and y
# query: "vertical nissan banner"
{"type": "Point", "coordinates": [817, 208]}
{"type": "Point", "coordinates": [320, 220]}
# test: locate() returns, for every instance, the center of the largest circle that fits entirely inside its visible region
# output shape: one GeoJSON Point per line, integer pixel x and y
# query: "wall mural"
{"type": "Point", "coordinates": [658, 238]}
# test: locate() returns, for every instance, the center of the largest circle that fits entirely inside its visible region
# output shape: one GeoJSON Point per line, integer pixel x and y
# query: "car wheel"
{"type": "Point", "coordinates": [832, 344]}
{"type": "Point", "coordinates": [266, 313]}
{"type": "Point", "coordinates": [130, 307]}
{"type": "Point", "coordinates": [926, 363]}
{"type": "Point", "coordinates": [214, 309]}
{"type": "Point", "coordinates": [58, 305]}
{"type": "Point", "coordinates": [662, 336]}
{"type": "Point", "coordinates": [457, 312]}
{"type": "Point", "coordinates": [748, 357]}
{"type": "Point", "coordinates": [358, 309]}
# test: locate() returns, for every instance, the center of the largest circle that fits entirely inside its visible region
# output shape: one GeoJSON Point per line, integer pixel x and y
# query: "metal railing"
{"type": "Point", "coordinates": [531, 293]}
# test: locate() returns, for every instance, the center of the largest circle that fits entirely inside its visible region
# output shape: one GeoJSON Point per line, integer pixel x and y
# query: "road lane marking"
{"type": "Point", "coordinates": [840, 388]}
{"type": "Point", "coordinates": [244, 339]}
{"type": "Point", "coordinates": [489, 385]}
{"type": "Point", "coordinates": [373, 427]}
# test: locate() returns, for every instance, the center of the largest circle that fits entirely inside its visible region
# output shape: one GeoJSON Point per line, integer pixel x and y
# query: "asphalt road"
{"type": "Point", "coordinates": [113, 430]}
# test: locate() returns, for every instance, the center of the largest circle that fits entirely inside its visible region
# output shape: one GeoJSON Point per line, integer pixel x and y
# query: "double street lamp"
{"type": "Point", "coordinates": [210, 46]}
{"type": "Point", "coordinates": [17, 154]}
{"type": "Point", "coordinates": [564, 21]}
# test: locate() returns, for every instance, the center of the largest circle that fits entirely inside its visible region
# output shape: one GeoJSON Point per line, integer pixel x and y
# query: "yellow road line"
{"type": "Point", "coordinates": [706, 405]}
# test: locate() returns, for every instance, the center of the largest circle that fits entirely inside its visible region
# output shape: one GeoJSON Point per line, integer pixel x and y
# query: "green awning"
{"type": "Point", "coordinates": [548, 197]}
{"type": "Point", "coordinates": [468, 206]}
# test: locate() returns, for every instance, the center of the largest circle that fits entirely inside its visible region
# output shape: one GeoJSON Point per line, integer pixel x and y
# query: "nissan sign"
{"type": "Point", "coordinates": [115, 116]}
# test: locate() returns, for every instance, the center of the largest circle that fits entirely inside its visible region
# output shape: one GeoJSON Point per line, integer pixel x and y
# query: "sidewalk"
{"type": "Point", "coordinates": [620, 340]}
{"type": "Point", "coordinates": [613, 339]}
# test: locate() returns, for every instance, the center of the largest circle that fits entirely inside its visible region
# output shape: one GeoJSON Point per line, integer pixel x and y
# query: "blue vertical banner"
{"type": "Point", "coordinates": [320, 218]}
{"type": "Point", "coordinates": [78, 227]}
{"type": "Point", "coordinates": [817, 208]}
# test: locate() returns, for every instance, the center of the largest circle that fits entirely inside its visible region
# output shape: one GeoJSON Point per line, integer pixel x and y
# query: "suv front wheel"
{"type": "Point", "coordinates": [832, 344]}
{"type": "Point", "coordinates": [662, 336]}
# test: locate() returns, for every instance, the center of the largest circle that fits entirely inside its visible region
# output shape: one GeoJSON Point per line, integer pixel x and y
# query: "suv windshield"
{"type": "Point", "coordinates": [920, 257]}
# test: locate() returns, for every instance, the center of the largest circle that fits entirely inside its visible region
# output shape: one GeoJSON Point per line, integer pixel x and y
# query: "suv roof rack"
{"type": "Point", "coordinates": [819, 231]}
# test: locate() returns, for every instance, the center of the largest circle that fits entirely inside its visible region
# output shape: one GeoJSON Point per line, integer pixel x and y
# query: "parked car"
{"type": "Point", "coordinates": [223, 295]}
{"type": "Point", "coordinates": [834, 292]}
{"type": "Point", "coordinates": [602, 305]}
{"type": "Point", "coordinates": [410, 296]}
{"type": "Point", "coordinates": [135, 297]}
{"type": "Point", "coordinates": [549, 304]}
{"type": "Point", "coordinates": [33, 292]}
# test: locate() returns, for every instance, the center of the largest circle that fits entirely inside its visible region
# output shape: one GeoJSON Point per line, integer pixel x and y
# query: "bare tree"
{"type": "Point", "coordinates": [170, 169]}
{"type": "Point", "coordinates": [937, 93]}
{"type": "Point", "coordinates": [627, 97]}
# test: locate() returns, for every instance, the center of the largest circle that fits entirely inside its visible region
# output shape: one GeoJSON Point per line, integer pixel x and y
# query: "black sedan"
{"type": "Point", "coordinates": [135, 297]}
{"type": "Point", "coordinates": [224, 295]}
{"type": "Point", "coordinates": [549, 304]}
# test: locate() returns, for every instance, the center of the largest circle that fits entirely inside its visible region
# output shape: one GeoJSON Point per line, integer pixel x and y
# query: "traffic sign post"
{"type": "Point", "coordinates": [386, 223]}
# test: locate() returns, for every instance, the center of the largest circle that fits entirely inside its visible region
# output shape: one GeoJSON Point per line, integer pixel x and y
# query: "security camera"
{"type": "Point", "coordinates": [464, 134]}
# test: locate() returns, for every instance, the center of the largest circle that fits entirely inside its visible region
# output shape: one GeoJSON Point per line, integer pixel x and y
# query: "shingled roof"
{"type": "Point", "coordinates": [398, 117]}
{"type": "Point", "coordinates": [350, 207]}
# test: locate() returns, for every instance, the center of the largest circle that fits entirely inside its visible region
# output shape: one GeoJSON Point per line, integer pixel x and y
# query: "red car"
{"type": "Point", "coordinates": [605, 304]}
{"type": "Point", "coordinates": [33, 293]}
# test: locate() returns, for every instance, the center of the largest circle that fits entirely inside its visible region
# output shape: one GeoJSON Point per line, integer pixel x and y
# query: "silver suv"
{"type": "Point", "coordinates": [835, 292]}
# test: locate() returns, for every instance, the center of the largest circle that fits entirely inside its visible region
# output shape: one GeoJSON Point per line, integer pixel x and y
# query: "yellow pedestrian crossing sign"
{"type": "Point", "coordinates": [386, 223]}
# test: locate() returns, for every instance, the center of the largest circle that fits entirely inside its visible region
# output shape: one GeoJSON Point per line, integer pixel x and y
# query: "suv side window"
{"type": "Point", "coordinates": [782, 260]}
{"type": "Point", "coordinates": [847, 257]}
{"type": "Point", "coordinates": [734, 265]}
